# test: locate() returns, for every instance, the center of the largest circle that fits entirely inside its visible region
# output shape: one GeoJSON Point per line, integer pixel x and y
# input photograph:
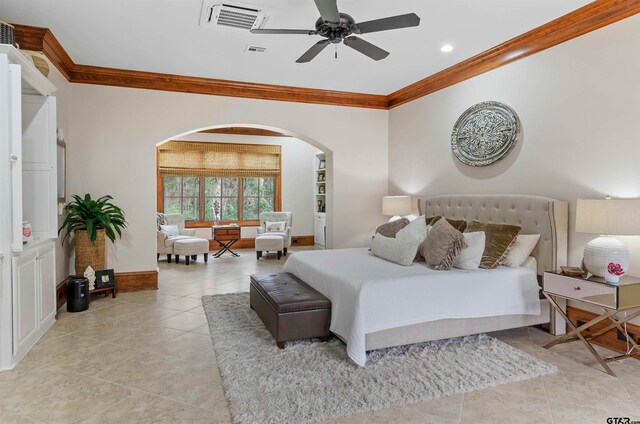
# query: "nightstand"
{"type": "Point", "coordinates": [610, 297]}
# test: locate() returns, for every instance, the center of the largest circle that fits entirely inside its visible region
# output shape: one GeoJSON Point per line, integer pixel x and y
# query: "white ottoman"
{"type": "Point", "coordinates": [191, 248]}
{"type": "Point", "coordinates": [267, 243]}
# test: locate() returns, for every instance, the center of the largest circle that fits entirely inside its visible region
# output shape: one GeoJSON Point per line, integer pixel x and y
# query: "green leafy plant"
{"type": "Point", "coordinates": [93, 215]}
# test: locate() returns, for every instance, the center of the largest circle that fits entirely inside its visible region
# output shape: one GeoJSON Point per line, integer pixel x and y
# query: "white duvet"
{"type": "Point", "coordinates": [370, 294]}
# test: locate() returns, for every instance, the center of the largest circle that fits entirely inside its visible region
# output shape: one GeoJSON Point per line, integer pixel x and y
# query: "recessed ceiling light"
{"type": "Point", "coordinates": [446, 48]}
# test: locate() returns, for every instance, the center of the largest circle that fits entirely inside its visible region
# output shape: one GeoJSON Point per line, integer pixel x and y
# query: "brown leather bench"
{"type": "Point", "coordinates": [289, 308]}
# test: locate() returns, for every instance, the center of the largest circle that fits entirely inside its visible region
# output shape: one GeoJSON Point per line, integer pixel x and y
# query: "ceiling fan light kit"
{"type": "Point", "coordinates": [338, 27]}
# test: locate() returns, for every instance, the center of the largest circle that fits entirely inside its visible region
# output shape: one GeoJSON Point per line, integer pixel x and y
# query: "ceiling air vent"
{"type": "Point", "coordinates": [255, 49]}
{"type": "Point", "coordinates": [235, 15]}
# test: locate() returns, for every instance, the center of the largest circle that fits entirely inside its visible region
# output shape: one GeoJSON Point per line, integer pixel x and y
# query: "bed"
{"type": "Point", "coordinates": [378, 304]}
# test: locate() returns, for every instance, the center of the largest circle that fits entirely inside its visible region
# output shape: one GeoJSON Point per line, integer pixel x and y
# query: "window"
{"type": "Point", "coordinates": [182, 195]}
{"type": "Point", "coordinates": [239, 181]}
{"type": "Point", "coordinates": [232, 201]}
{"type": "Point", "coordinates": [223, 194]}
{"type": "Point", "coordinates": [257, 196]}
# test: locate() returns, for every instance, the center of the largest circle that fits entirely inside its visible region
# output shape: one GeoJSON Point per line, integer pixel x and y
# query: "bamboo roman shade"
{"type": "Point", "coordinates": [189, 158]}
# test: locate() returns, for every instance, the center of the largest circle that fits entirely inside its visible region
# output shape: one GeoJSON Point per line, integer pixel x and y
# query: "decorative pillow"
{"type": "Point", "coordinates": [391, 228]}
{"type": "Point", "coordinates": [170, 230]}
{"type": "Point", "coordinates": [520, 250]}
{"type": "Point", "coordinates": [275, 227]}
{"type": "Point", "coordinates": [499, 237]}
{"type": "Point", "coordinates": [401, 249]}
{"type": "Point", "coordinates": [442, 245]}
{"type": "Point", "coordinates": [470, 257]}
{"type": "Point", "coordinates": [160, 219]}
{"type": "Point", "coordinates": [458, 224]}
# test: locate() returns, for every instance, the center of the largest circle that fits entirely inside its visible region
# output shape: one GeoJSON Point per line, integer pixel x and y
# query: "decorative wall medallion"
{"type": "Point", "coordinates": [485, 133]}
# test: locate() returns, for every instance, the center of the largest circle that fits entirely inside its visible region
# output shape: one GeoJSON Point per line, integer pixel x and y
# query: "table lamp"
{"type": "Point", "coordinates": [396, 206]}
{"type": "Point", "coordinates": [607, 218]}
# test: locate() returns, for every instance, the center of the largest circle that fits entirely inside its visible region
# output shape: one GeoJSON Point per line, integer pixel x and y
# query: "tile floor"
{"type": "Point", "coordinates": [146, 357]}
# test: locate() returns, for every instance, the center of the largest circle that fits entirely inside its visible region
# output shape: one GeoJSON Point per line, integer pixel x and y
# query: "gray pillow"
{"type": "Point", "coordinates": [442, 245]}
{"type": "Point", "coordinates": [390, 229]}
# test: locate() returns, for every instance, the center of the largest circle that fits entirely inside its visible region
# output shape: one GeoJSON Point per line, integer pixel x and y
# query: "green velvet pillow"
{"type": "Point", "coordinates": [499, 238]}
{"type": "Point", "coordinates": [458, 224]}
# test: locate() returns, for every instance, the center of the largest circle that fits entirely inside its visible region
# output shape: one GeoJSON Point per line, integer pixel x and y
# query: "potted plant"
{"type": "Point", "coordinates": [90, 221]}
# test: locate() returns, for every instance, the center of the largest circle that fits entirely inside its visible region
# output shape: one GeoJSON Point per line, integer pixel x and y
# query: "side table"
{"type": "Point", "coordinates": [612, 298]}
{"type": "Point", "coordinates": [226, 236]}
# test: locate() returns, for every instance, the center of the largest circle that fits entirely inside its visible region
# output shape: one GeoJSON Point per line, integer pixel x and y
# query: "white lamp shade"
{"type": "Point", "coordinates": [396, 205]}
{"type": "Point", "coordinates": [613, 217]}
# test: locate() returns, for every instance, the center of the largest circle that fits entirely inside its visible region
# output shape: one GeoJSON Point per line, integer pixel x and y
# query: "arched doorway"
{"type": "Point", "coordinates": [322, 184]}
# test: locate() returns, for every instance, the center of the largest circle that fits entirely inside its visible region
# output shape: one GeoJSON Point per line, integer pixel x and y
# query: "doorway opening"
{"type": "Point", "coordinates": [232, 175]}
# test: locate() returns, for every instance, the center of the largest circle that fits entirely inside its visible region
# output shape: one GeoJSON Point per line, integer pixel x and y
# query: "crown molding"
{"type": "Point", "coordinates": [42, 39]}
{"type": "Point", "coordinates": [579, 22]}
{"type": "Point", "coordinates": [244, 131]}
{"type": "Point", "coordinates": [593, 16]}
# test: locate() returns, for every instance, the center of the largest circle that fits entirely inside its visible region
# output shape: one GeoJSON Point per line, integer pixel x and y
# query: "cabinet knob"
{"type": "Point", "coordinates": [13, 158]}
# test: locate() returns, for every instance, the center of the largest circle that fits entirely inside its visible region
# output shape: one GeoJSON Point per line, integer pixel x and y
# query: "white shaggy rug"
{"type": "Point", "coordinates": [311, 381]}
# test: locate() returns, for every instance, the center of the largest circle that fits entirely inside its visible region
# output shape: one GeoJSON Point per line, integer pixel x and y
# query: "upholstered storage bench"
{"type": "Point", "coordinates": [289, 308]}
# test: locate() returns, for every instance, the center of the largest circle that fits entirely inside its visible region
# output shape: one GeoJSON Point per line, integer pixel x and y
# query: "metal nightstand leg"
{"type": "Point", "coordinates": [577, 332]}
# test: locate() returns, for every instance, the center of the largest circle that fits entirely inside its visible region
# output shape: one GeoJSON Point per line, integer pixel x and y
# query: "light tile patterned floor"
{"type": "Point", "coordinates": [146, 357]}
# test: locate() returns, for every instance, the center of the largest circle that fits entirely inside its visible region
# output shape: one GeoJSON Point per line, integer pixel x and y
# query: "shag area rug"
{"type": "Point", "coordinates": [311, 381]}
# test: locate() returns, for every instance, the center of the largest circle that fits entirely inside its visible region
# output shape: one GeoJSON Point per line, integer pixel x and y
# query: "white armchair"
{"type": "Point", "coordinates": [277, 217]}
{"type": "Point", "coordinates": [164, 241]}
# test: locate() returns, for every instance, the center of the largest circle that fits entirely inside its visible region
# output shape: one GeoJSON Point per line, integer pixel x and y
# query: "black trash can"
{"type": "Point", "coordinates": [77, 294]}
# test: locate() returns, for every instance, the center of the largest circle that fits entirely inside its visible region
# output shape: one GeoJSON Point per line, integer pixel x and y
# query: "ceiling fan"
{"type": "Point", "coordinates": [338, 27]}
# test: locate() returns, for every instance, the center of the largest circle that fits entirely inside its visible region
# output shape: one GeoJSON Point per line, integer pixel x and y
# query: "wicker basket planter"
{"type": "Point", "coordinates": [86, 253]}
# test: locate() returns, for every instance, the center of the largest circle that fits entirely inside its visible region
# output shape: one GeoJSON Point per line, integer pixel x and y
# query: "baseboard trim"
{"type": "Point", "coordinates": [61, 294]}
{"type": "Point", "coordinates": [610, 338]}
{"type": "Point", "coordinates": [137, 281]}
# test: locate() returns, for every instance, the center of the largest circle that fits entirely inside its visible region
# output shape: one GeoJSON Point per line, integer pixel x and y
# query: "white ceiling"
{"type": "Point", "coordinates": [165, 36]}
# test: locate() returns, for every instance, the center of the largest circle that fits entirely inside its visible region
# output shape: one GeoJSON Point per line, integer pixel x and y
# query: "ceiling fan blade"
{"type": "Point", "coordinates": [284, 31]}
{"type": "Point", "coordinates": [385, 24]}
{"type": "Point", "coordinates": [328, 10]}
{"type": "Point", "coordinates": [313, 51]}
{"type": "Point", "coordinates": [366, 48]}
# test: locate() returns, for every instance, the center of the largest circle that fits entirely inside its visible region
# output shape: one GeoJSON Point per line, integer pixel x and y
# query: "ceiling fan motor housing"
{"type": "Point", "coordinates": [336, 32]}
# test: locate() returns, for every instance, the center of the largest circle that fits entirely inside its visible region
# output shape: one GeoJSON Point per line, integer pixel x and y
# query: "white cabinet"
{"type": "Point", "coordinates": [25, 308]}
{"type": "Point", "coordinates": [47, 284]}
{"type": "Point", "coordinates": [319, 229]}
{"type": "Point", "coordinates": [28, 191]}
{"type": "Point", "coordinates": [33, 288]}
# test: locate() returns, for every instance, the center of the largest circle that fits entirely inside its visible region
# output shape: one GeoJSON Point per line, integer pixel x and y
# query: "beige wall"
{"type": "Point", "coordinates": [578, 103]}
{"type": "Point", "coordinates": [298, 178]}
{"type": "Point", "coordinates": [114, 132]}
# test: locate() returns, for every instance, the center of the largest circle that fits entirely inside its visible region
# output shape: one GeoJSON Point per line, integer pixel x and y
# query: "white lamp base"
{"type": "Point", "coordinates": [602, 250]}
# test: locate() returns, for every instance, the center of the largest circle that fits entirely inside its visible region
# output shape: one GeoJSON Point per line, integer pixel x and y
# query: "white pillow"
{"type": "Point", "coordinates": [170, 230]}
{"type": "Point", "coordinates": [471, 257]}
{"type": "Point", "coordinates": [275, 227]}
{"type": "Point", "coordinates": [403, 248]}
{"type": "Point", "coordinates": [520, 250]}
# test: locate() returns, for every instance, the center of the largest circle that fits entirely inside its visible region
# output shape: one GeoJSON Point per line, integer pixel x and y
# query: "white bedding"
{"type": "Point", "coordinates": [370, 294]}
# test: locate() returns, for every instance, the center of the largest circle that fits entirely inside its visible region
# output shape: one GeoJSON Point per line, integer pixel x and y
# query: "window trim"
{"type": "Point", "coordinates": [206, 224]}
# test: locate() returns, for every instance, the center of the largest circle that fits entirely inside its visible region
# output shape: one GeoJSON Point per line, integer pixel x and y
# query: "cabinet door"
{"type": "Point", "coordinates": [25, 308]}
{"type": "Point", "coordinates": [47, 284]}
{"type": "Point", "coordinates": [319, 230]}
{"type": "Point", "coordinates": [39, 163]}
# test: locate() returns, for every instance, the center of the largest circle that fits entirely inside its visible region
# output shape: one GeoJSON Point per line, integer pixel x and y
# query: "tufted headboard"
{"type": "Point", "coordinates": [536, 215]}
